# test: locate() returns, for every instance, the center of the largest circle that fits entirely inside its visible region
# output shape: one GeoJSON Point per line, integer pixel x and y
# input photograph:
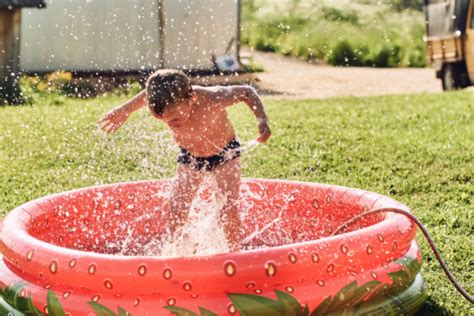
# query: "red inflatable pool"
{"type": "Point", "coordinates": [61, 244]}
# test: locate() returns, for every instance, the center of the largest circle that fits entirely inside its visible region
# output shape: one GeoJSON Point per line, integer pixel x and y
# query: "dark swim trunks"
{"type": "Point", "coordinates": [228, 153]}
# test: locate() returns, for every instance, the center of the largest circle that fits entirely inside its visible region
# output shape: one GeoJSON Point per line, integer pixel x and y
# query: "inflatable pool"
{"type": "Point", "coordinates": [61, 245]}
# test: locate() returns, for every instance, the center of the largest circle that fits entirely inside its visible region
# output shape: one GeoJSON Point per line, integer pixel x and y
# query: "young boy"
{"type": "Point", "coordinates": [199, 124]}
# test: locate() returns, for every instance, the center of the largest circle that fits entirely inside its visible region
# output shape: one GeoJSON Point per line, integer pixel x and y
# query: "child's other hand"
{"type": "Point", "coordinates": [264, 131]}
{"type": "Point", "coordinates": [113, 120]}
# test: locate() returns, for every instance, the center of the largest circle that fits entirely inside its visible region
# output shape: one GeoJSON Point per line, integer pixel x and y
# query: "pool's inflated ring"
{"type": "Point", "coordinates": [61, 243]}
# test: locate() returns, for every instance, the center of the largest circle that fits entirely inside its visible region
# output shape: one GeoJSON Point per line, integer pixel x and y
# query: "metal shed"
{"type": "Point", "coordinates": [128, 36]}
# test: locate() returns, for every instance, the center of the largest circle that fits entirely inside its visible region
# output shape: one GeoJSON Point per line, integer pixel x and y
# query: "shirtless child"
{"type": "Point", "coordinates": [199, 123]}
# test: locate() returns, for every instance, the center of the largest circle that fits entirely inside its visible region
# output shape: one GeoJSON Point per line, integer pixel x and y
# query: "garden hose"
{"type": "Point", "coordinates": [425, 233]}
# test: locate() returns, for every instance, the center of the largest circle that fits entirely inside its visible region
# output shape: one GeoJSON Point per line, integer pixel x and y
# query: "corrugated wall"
{"type": "Point", "coordinates": [196, 29]}
{"type": "Point", "coordinates": [122, 35]}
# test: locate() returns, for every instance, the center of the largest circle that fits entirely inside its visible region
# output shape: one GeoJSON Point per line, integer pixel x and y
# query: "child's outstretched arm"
{"type": "Point", "coordinates": [231, 95]}
{"type": "Point", "coordinates": [115, 118]}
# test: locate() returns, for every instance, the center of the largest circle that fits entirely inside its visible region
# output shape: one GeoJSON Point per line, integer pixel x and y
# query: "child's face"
{"type": "Point", "coordinates": [176, 115]}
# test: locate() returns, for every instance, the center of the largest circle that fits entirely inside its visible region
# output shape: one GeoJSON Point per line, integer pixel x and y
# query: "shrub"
{"type": "Point", "coordinates": [388, 56]}
{"type": "Point", "coordinates": [265, 45]}
{"type": "Point", "coordinates": [79, 88]}
{"type": "Point", "coordinates": [338, 15]}
{"type": "Point", "coordinates": [343, 55]}
{"type": "Point", "coordinates": [375, 34]}
{"type": "Point", "coordinates": [382, 57]}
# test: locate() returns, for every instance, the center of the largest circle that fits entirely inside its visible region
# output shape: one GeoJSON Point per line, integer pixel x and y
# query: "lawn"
{"type": "Point", "coordinates": [417, 149]}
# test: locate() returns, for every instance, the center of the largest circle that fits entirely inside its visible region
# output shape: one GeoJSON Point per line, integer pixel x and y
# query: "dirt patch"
{"type": "Point", "coordinates": [292, 78]}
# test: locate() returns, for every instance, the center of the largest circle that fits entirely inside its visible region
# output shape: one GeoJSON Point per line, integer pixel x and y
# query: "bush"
{"type": "Point", "coordinates": [388, 56]}
{"type": "Point", "coordinates": [265, 45]}
{"type": "Point", "coordinates": [355, 34]}
{"type": "Point", "coordinates": [343, 55]}
{"type": "Point", "coordinates": [80, 89]}
{"type": "Point", "coordinates": [335, 14]}
{"type": "Point", "coordinates": [382, 58]}
{"type": "Point", "coordinates": [55, 88]}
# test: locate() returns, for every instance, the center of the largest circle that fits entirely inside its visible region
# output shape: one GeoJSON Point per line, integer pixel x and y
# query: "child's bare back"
{"type": "Point", "coordinates": [199, 123]}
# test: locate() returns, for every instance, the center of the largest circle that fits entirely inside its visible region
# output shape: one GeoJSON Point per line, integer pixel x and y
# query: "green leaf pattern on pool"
{"type": "Point", "coordinates": [348, 299]}
{"type": "Point", "coordinates": [186, 312]}
{"type": "Point", "coordinates": [102, 310]}
{"type": "Point", "coordinates": [12, 302]}
{"type": "Point", "coordinates": [54, 306]}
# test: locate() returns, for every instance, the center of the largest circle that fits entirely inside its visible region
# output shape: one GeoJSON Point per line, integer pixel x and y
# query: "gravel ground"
{"type": "Point", "coordinates": [292, 78]}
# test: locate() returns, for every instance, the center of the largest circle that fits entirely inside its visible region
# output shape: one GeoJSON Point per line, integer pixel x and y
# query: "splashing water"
{"type": "Point", "coordinates": [152, 153]}
{"type": "Point", "coordinates": [202, 234]}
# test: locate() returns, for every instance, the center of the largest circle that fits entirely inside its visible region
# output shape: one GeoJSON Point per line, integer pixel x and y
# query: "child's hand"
{"type": "Point", "coordinates": [113, 120]}
{"type": "Point", "coordinates": [263, 130]}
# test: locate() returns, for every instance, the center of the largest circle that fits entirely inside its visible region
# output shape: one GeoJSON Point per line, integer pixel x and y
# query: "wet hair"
{"type": "Point", "coordinates": [165, 87]}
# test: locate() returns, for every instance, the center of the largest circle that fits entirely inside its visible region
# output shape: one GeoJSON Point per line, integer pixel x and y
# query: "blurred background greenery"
{"type": "Point", "coordinates": [341, 33]}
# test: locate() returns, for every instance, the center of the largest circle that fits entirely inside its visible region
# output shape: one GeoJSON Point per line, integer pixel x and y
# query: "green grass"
{"type": "Point", "coordinates": [343, 33]}
{"type": "Point", "coordinates": [417, 149]}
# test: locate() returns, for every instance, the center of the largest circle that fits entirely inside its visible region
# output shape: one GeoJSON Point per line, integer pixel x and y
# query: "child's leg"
{"type": "Point", "coordinates": [228, 181]}
{"type": "Point", "coordinates": [185, 185]}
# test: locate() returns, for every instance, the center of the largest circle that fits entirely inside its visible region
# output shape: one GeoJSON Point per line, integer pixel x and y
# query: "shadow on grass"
{"type": "Point", "coordinates": [432, 308]}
